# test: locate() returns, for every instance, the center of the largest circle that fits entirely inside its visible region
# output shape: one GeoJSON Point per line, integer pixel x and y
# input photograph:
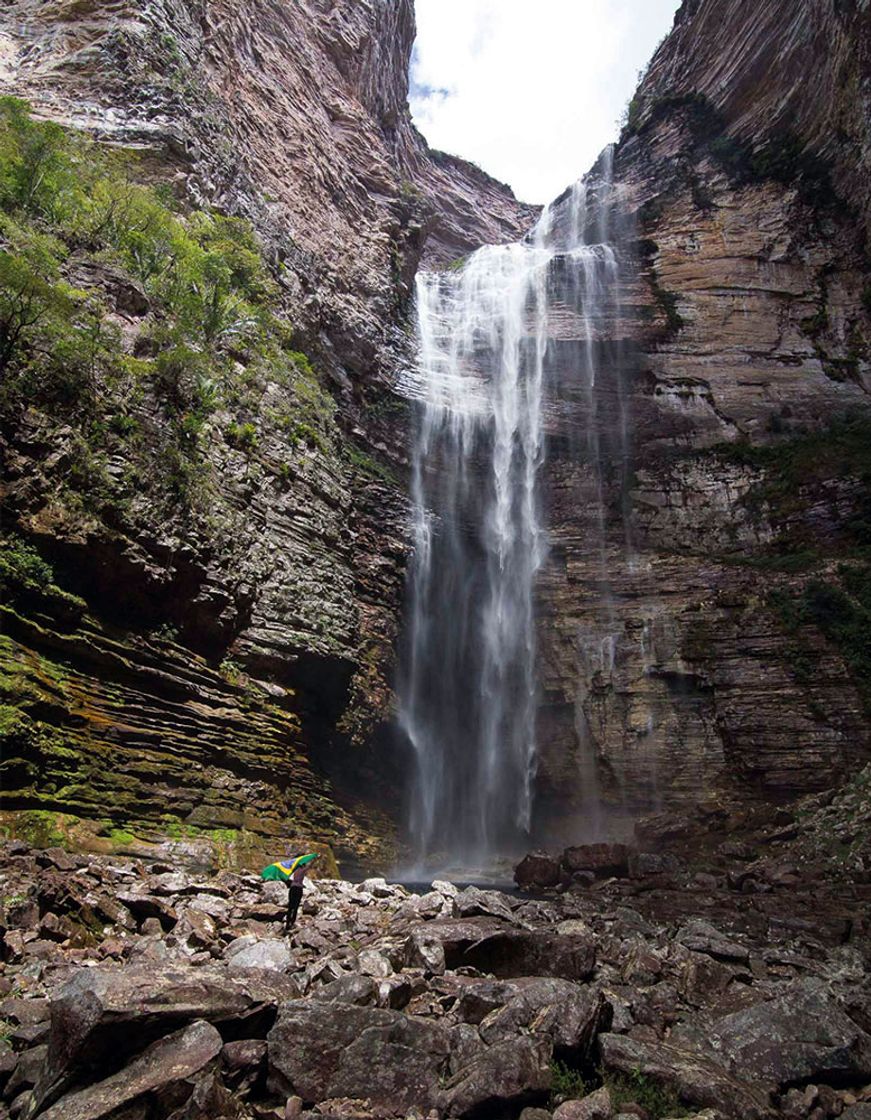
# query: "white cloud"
{"type": "Point", "coordinates": [530, 89]}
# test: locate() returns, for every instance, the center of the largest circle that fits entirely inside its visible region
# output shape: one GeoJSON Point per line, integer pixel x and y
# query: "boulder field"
{"type": "Point", "coordinates": [651, 985]}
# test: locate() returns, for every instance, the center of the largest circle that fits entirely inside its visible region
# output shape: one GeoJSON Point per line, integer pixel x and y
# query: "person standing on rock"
{"type": "Point", "coordinates": [292, 870]}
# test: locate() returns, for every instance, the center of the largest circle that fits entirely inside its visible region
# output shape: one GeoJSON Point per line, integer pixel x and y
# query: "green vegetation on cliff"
{"type": "Point", "coordinates": [840, 608]}
{"type": "Point", "coordinates": [155, 409]}
{"type": "Point", "coordinates": [135, 324]}
{"type": "Point", "coordinates": [813, 493]}
{"type": "Point", "coordinates": [795, 466]}
{"type": "Point", "coordinates": [27, 581]}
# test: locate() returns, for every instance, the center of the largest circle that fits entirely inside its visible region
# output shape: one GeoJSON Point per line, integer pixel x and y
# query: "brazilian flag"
{"type": "Point", "coordinates": [283, 869]}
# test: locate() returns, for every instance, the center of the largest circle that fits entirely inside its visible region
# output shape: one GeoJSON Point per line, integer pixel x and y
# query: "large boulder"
{"type": "Point", "coordinates": [697, 1077]}
{"type": "Point", "coordinates": [643, 864]}
{"type": "Point", "coordinates": [506, 1075]}
{"type": "Point", "coordinates": [103, 1013]}
{"type": "Point", "coordinates": [172, 1061]}
{"type": "Point", "coordinates": [801, 1036]}
{"type": "Point", "coordinates": [603, 859]}
{"type": "Point", "coordinates": [372, 963]}
{"type": "Point", "coordinates": [537, 871]}
{"type": "Point", "coordinates": [472, 902]}
{"type": "Point", "coordinates": [663, 829]}
{"type": "Point", "coordinates": [353, 988]}
{"type": "Point", "coordinates": [701, 937]}
{"type": "Point", "coordinates": [494, 946]}
{"type": "Point", "coordinates": [144, 906]}
{"type": "Point", "coordinates": [320, 1051]}
{"type": "Point", "coordinates": [569, 1015]}
{"type": "Point", "coordinates": [270, 953]}
{"type": "Point", "coordinates": [476, 1000]}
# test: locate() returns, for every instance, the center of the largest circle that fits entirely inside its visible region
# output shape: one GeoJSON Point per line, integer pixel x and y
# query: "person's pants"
{"type": "Point", "coordinates": [294, 897]}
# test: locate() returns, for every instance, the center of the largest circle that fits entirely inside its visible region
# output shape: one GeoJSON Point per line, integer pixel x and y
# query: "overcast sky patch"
{"type": "Point", "coordinates": [530, 90]}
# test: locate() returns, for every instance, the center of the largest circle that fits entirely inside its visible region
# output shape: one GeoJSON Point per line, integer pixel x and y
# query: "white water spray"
{"type": "Point", "coordinates": [469, 688]}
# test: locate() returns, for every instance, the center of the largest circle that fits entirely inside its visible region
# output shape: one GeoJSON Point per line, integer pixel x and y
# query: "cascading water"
{"type": "Point", "coordinates": [469, 682]}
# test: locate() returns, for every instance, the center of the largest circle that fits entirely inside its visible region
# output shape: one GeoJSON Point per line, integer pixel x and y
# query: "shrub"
{"type": "Point", "coordinates": [784, 157]}
{"type": "Point", "coordinates": [704, 121]}
{"type": "Point", "coordinates": [667, 301]}
{"type": "Point", "coordinates": [232, 672]}
{"type": "Point", "coordinates": [123, 425]}
{"type": "Point", "coordinates": [34, 302]}
{"type": "Point", "coordinates": [366, 465]}
{"type": "Point", "coordinates": [658, 1101]}
{"type": "Point", "coordinates": [37, 170]}
{"type": "Point", "coordinates": [21, 566]}
{"type": "Point", "coordinates": [731, 155]}
{"type": "Point", "coordinates": [843, 449]}
{"type": "Point", "coordinates": [242, 436]}
{"type": "Point", "coordinates": [816, 324]}
{"type": "Point", "coordinates": [215, 334]}
{"type": "Point", "coordinates": [25, 579]}
{"type": "Point", "coordinates": [566, 1083]}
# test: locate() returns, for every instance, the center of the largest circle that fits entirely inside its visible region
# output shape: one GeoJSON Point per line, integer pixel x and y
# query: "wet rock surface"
{"type": "Point", "coordinates": [659, 993]}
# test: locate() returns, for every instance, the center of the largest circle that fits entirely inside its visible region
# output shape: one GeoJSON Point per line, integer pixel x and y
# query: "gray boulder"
{"type": "Point", "coordinates": [595, 1106]}
{"type": "Point", "coordinates": [477, 1000]}
{"type": "Point", "coordinates": [473, 902]}
{"type": "Point", "coordinates": [103, 1013]}
{"type": "Point", "coordinates": [353, 988]}
{"type": "Point", "coordinates": [802, 1036]}
{"type": "Point", "coordinates": [492, 945]}
{"type": "Point", "coordinates": [172, 1060]}
{"type": "Point", "coordinates": [603, 859]}
{"type": "Point", "coordinates": [569, 1015]}
{"type": "Point", "coordinates": [372, 963]}
{"type": "Point", "coordinates": [271, 953]}
{"type": "Point", "coordinates": [509, 1073]}
{"type": "Point", "coordinates": [145, 906]}
{"type": "Point", "coordinates": [697, 1077]}
{"type": "Point", "coordinates": [701, 937]}
{"type": "Point", "coordinates": [537, 871]}
{"type": "Point", "coordinates": [320, 1051]}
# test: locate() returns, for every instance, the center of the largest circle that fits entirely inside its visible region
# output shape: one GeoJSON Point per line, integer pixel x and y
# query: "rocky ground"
{"type": "Point", "coordinates": [718, 969]}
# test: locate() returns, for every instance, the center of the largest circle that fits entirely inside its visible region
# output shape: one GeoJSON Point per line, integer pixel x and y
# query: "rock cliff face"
{"type": "Point", "coordinates": [294, 115]}
{"type": "Point", "coordinates": [227, 676]}
{"type": "Point", "coordinates": [710, 652]}
{"type": "Point", "coordinates": [231, 655]}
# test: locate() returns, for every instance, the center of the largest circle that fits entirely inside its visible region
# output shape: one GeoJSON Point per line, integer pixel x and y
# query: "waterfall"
{"type": "Point", "coordinates": [469, 690]}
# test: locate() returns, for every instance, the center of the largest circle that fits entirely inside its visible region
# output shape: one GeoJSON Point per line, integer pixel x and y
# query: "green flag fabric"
{"type": "Point", "coordinates": [283, 869]}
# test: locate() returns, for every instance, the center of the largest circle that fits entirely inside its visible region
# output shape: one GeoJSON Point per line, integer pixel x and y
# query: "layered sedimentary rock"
{"type": "Point", "coordinates": [693, 648]}
{"type": "Point", "coordinates": [294, 115]}
{"type": "Point", "coordinates": [284, 586]}
{"type": "Point", "coordinates": [704, 591]}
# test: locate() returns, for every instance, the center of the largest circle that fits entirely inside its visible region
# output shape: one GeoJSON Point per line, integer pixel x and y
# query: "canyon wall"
{"type": "Point", "coordinates": [717, 650]}
{"type": "Point", "coordinates": [224, 675]}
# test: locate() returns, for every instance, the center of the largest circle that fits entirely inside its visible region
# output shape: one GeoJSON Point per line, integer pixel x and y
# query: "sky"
{"type": "Point", "coordinates": [530, 90]}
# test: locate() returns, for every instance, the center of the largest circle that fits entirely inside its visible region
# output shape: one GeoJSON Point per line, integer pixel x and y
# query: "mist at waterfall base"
{"type": "Point", "coordinates": [469, 685]}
